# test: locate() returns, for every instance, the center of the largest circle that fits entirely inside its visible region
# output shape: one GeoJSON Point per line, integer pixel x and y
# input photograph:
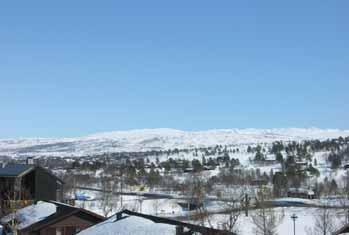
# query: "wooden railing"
{"type": "Point", "coordinates": [15, 204]}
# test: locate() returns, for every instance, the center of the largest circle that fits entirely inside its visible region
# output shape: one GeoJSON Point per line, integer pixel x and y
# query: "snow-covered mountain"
{"type": "Point", "coordinates": [157, 139]}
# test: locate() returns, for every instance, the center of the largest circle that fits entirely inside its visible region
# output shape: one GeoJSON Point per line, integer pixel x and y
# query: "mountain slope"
{"type": "Point", "coordinates": [158, 139]}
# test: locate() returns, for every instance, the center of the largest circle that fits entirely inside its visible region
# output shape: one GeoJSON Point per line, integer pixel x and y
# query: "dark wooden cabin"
{"type": "Point", "coordinates": [301, 193]}
{"type": "Point", "coordinates": [23, 183]}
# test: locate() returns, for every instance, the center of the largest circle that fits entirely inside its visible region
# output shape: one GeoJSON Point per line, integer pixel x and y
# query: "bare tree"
{"type": "Point", "coordinates": [156, 205]}
{"type": "Point", "coordinates": [233, 202]}
{"type": "Point", "coordinates": [324, 224]}
{"type": "Point", "coordinates": [265, 219]}
{"type": "Point", "coordinates": [12, 201]}
{"type": "Point", "coordinates": [234, 210]}
{"type": "Point", "coordinates": [345, 197]}
{"type": "Point", "coordinates": [343, 216]}
{"type": "Point", "coordinates": [110, 201]}
{"type": "Point", "coordinates": [196, 193]}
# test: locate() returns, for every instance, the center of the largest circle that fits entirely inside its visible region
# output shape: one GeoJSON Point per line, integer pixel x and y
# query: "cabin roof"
{"type": "Point", "coordinates": [192, 227]}
{"type": "Point", "coordinates": [129, 225]}
{"type": "Point", "coordinates": [61, 211]}
{"type": "Point", "coordinates": [31, 214]}
{"type": "Point", "coordinates": [14, 170]}
{"type": "Point", "coordinates": [130, 222]}
{"type": "Point", "coordinates": [17, 170]}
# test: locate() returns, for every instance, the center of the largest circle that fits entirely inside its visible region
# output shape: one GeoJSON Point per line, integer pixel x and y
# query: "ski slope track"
{"type": "Point", "coordinates": [157, 139]}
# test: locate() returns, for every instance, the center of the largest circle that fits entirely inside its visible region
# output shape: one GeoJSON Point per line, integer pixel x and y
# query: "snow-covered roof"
{"type": "Point", "coordinates": [130, 225]}
{"type": "Point", "coordinates": [11, 170]}
{"type": "Point", "coordinates": [31, 214]}
{"type": "Point", "coordinates": [302, 190]}
{"type": "Point", "coordinates": [293, 201]}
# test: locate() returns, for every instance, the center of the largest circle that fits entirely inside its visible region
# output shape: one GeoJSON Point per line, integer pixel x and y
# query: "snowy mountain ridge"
{"type": "Point", "coordinates": [158, 139]}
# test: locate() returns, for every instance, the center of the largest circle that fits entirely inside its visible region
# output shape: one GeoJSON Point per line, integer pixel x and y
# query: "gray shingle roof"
{"type": "Point", "coordinates": [12, 170]}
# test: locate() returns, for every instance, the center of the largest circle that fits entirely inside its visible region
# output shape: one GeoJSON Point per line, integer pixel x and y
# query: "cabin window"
{"type": "Point", "coordinates": [59, 231]}
{"type": "Point", "coordinates": [70, 230]}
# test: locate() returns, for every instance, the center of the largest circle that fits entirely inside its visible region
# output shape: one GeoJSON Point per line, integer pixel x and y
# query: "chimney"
{"type": "Point", "coordinates": [30, 161]}
{"type": "Point", "coordinates": [179, 230]}
{"type": "Point", "coordinates": [118, 216]}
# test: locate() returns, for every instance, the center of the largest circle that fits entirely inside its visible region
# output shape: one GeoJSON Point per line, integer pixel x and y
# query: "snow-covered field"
{"type": "Point", "coordinates": [169, 208]}
{"type": "Point", "coordinates": [164, 139]}
{"type": "Point", "coordinates": [163, 207]}
{"type": "Point", "coordinates": [306, 220]}
{"type": "Point", "coordinates": [158, 139]}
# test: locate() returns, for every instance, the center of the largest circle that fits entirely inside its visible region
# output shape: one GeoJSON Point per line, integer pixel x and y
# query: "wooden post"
{"type": "Point", "coordinates": [247, 204]}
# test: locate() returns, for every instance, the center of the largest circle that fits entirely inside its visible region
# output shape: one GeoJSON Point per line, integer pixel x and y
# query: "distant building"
{"type": "Point", "coordinates": [301, 193]}
{"type": "Point", "coordinates": [346, 166]}
{"type": "Point", "coordinates": [21, 184]}
{"type": "Point", "coordinates": [259, 182]}
{"type": "Point", "coordinates": [188, 170]}
{"type": "Point", "coordinates": [266, 162]}
{"type": "Point", "coordinates": [301, 165]}
{"type": "Point", "coordinates": [189, 205]}
{"type": "Point", "coordinates": [49, 218]}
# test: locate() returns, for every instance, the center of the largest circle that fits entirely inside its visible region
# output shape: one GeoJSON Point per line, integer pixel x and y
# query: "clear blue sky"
{"type": "Point", "coordinates": [70, 68]}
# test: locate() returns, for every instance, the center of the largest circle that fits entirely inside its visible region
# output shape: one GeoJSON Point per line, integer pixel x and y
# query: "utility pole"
{"type": "Point", "coordinates": [246, 203]}
{"type": "Point", "coordinates": [121, 188]}
{"type": "Point", "coordinates": [294, 217]}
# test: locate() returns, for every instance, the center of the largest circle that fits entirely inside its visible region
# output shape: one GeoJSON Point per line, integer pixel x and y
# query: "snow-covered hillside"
{"type": "Point", "coordinates": [157, 139]}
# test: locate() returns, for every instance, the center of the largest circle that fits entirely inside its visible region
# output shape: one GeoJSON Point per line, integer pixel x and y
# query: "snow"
{"type": "Point", "coordinates": [31, 214]}
{"type": "Point", "coordinates": [305, 221]}
{"type": "Point", "coordinates": [295, 201]}
{"type": "Point", "coordinates": [158, 139]}
{"type": "Point", "coordinates": [131, 225]}
{"type": "Point", "coordinates": [160, 207]}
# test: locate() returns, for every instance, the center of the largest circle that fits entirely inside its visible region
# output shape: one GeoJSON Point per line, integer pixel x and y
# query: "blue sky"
{"type": "Point", "coordinates": [69, 68]}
